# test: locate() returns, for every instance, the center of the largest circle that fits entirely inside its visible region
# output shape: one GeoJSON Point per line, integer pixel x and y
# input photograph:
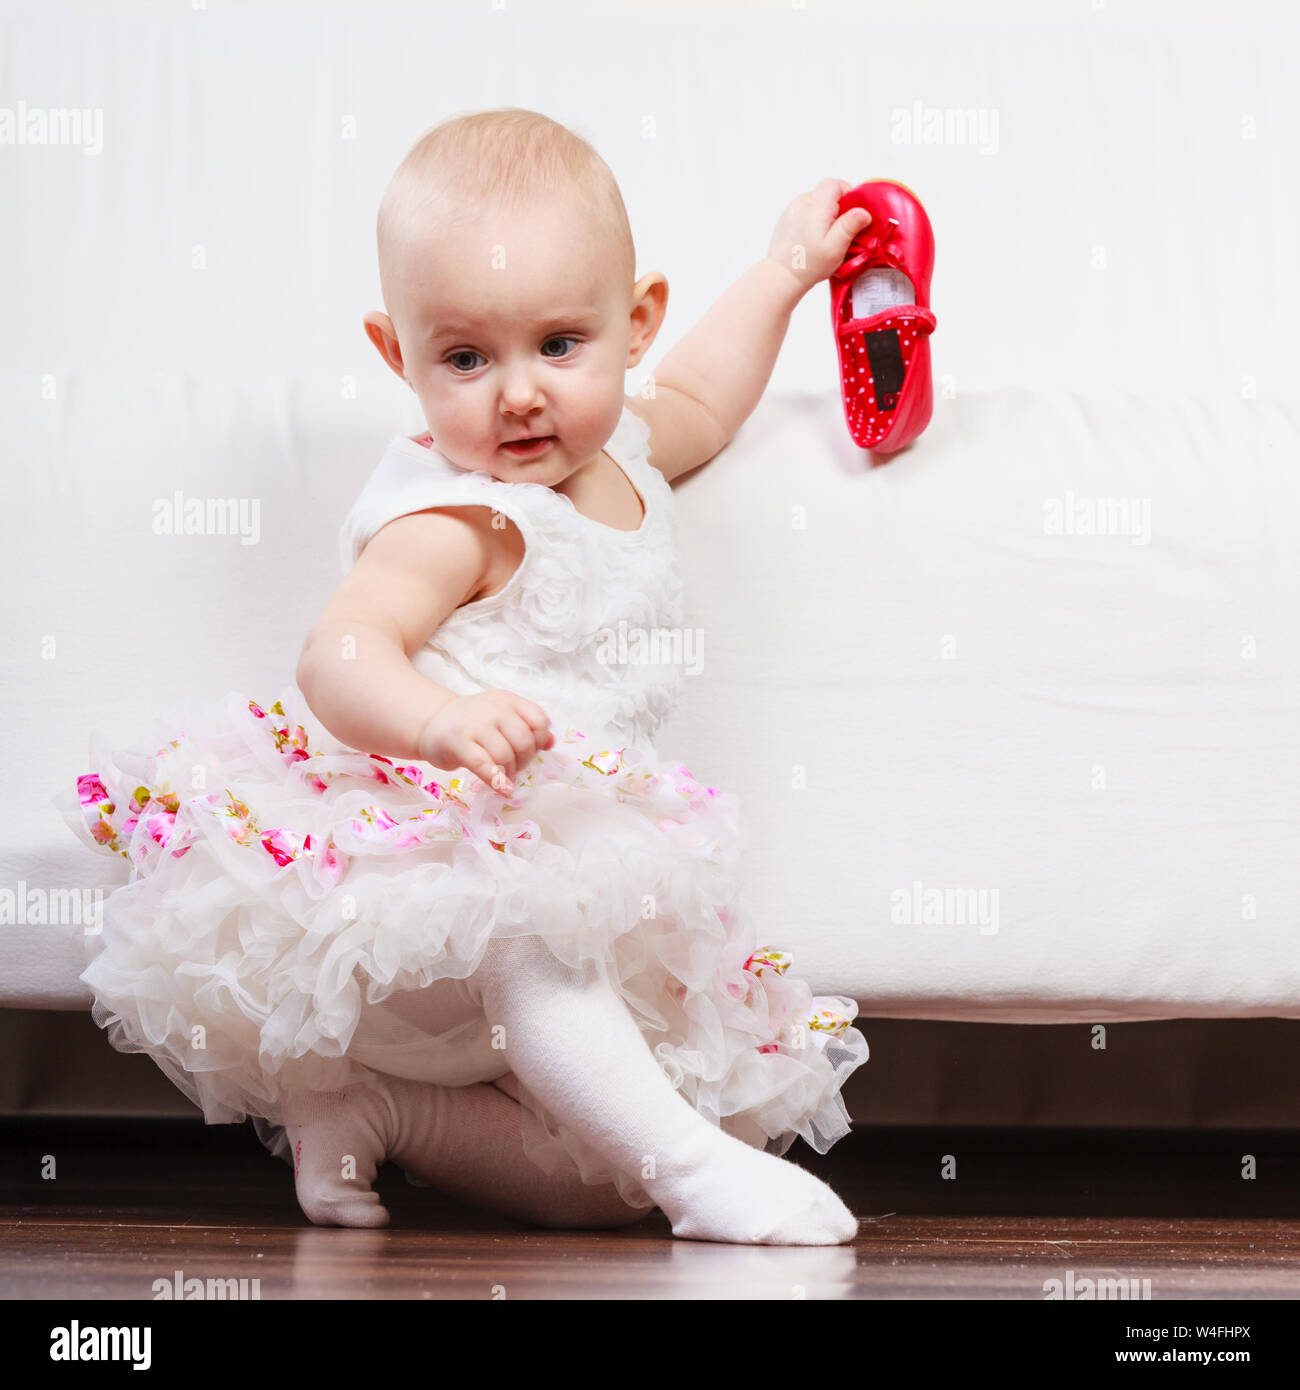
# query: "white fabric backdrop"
{"type": "Point", "coordinates": [1115, 208]}
{"type": "Point", "coordinates": [1113, 201]}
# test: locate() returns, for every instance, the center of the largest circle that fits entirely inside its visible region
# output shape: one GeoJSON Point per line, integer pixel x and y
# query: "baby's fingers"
{"type": "Point", "coordinates": [492, 759]}
{"type": "Point", "coordinates": [522, 737]}
{"type": "Point", "coordinates": [829, 192]}
{"type": "Point", "coordinates": [537, 720]}
{"type": "Point", "coordinates": [848, 224]}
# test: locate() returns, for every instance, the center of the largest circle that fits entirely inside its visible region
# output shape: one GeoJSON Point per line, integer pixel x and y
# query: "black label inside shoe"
{"type": "Point", "coordinates": [887, 371]}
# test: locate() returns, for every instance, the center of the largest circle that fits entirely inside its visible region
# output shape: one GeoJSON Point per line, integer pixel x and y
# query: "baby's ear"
{"type": "Point", "coordinates": [379, 329]}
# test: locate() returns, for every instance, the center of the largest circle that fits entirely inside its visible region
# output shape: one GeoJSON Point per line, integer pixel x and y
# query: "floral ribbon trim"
{"type": "Point", "coordinates": [821, 1025]}
{"type": "Point", "coordinates": [150, 825]}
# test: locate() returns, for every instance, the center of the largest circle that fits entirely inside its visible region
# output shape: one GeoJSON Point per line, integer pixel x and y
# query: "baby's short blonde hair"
{"type": "Point", "coordinates": [507, 154]}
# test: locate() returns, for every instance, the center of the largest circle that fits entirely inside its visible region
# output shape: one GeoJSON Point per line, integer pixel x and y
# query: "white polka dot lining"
{"type": "Point", "coordinates": [868, 422]}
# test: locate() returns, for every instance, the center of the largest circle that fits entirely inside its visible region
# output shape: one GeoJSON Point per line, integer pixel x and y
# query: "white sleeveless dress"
{"type": "Point", "coordinates": [273, 909]}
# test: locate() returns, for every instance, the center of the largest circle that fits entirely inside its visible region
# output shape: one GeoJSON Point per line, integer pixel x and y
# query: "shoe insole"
{"type": "Point", "coordinates": [885, 357]}
{"type": "Point", "coordinates": [880, 288]}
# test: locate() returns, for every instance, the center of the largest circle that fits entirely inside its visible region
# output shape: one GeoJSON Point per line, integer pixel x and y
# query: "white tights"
{"type": "Point", "coordinates": [571, 1041]}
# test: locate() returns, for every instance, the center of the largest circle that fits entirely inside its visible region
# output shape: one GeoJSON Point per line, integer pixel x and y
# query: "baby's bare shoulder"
{"type": "Point", "coordinates": [417, 570]}
{"type": "Point", "coordinates": [466, 551]}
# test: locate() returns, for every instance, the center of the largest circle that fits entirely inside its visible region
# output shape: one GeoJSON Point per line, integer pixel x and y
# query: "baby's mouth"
{"type": "Point", "coordinates": [526, 448]}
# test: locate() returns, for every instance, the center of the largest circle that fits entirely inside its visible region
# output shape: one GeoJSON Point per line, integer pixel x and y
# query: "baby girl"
{"type": "Point", "coordinates": [532, 987]}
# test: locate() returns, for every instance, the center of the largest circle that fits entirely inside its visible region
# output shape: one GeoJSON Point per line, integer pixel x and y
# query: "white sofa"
{"type": "Point", "coordinates": [1012, 717]}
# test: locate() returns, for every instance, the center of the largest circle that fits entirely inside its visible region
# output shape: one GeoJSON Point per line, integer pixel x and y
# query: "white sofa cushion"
{"type": "Point", "coordinates": [1100, 729]}
{"type": "Point", "coordinates": [1098, 733]}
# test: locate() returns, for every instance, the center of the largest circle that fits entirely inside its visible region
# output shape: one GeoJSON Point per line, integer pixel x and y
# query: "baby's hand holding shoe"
{"type": "Point", "coordinates": [492, 733]}
{"type": "Point", "coordinates": [810, 239]}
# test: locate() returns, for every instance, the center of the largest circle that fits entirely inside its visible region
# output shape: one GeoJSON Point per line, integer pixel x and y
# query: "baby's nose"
{"type": "Point", "coordinates": [520, 392]}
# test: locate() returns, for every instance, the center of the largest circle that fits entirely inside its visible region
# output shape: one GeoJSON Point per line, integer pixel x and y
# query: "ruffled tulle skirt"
{"type": "Point", "coordinates": [284, 886]}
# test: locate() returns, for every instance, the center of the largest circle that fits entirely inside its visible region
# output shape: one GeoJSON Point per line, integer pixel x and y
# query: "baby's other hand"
{"type": "Point", "coordinates": [810, 240]}
{"type": "Point", "coordinates": [493, 733]}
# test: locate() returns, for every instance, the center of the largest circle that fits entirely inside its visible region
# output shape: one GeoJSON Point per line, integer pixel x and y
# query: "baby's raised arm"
{"type": "Point", "coordinates": [355, 667]}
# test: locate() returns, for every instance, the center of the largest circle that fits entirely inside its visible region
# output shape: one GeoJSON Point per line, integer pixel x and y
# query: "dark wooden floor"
{"type": "Point", "coordinates": [134, 1202]}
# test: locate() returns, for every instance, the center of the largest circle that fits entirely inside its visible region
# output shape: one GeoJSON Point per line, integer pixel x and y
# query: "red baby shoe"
{"type": "Point", "coordinates": [884, 359]}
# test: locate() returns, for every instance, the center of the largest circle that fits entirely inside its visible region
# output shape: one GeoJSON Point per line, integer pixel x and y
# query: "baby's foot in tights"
{"type": "Point", "coordinates": [466, 1141]}
{"type": "Point", "coordinates": [338, 1139]}
{"type": "Point", "coordinates": [744, 1196]}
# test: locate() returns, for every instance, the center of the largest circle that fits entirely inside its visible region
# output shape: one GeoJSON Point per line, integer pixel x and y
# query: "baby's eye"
{"type": "Point", "coordinates": [557, 339]}
{"type": "Point", "coordinates": [462, 352]}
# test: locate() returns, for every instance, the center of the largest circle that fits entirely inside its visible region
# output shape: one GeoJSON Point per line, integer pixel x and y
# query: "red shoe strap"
{"type": "Point", "coordinates": [924, 320]}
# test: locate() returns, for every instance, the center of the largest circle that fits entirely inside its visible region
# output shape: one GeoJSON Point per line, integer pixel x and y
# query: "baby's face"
{"type": "Point", "coordinates": [517, 324]}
